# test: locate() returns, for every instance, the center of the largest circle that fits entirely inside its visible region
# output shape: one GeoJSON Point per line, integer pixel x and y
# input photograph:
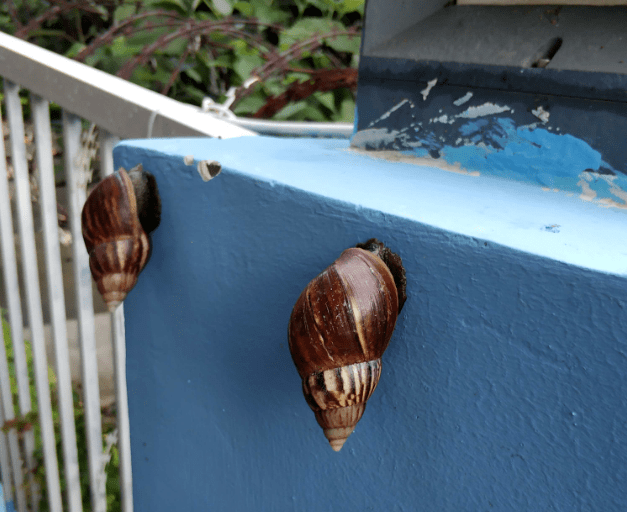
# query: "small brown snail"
{"type": "Point", "coordinates": [119, 214]}
{"type": "Point", "coordinates": [339, 327]}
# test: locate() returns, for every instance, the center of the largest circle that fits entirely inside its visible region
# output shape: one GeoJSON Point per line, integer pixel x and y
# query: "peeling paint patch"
{"type": "Point", "coordinates": [541, 114]}
{"type": "Point", "coordinates": [600, 188]}
{"type": "Point", "coordinates": [414, 157]}
{"type": "Point", "coordinates": [487, 109]}
{"type": "Point", "coordinates": [389, 112]}
{"type": "Point", "coordinates": [614, 188]}
{"type": "Point", "coordinates": [460, 101]}
{"type": "Point", "coordinates": [486, 138]}
{"type": "Point", "coordinates": [442, 119]}
{"type": "Point", "coordinates": [430, 85]}
{"type": "Point", "coordinates": [374, 138]}
{"type": "Point", "coordinates": [587, 194]}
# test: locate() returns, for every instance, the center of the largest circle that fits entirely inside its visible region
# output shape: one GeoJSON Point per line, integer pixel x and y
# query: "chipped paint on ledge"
{"type": "Point", "coordinates": [486, 139]}
{"type": "Point", "coordinates": [409, 157]}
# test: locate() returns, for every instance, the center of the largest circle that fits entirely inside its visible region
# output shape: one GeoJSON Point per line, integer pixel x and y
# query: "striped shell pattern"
{"type": "Point", "coordinates": [117, 243]}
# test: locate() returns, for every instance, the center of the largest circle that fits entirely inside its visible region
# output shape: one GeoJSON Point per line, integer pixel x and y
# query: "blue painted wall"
{"type": "Point", "coordinates": [503, 386]}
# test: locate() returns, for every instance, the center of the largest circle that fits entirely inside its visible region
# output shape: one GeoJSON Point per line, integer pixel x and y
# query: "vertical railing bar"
{"type": "Point", "coordinates": [33, 297]}
{"type": "Point", "coordinates": [108, 141]}
{"type": "Point", "coordinates": [5, 465]}
{"type": "Point", "coordinates": [43, 140]}
{"type": "Point", "coordinates": [124, 434]}
{"type": "Point", "coordinates": [77, 183]}
{"type": "Point", "coordinates": [9, 267]}
{"type": "Point", "coordinates": [7, 414]}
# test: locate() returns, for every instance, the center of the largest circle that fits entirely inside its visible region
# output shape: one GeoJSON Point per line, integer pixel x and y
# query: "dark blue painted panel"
{"type": "Point", "coordinates": [503, 386]}
{"type": "Point", "coordinates": [502, 126]}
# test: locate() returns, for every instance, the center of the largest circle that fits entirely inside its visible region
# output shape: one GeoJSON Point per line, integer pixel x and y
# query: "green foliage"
{"type": "Point", "coordinates": [192, 49]}
{"type": "Point", "coordinates": [30, 421]}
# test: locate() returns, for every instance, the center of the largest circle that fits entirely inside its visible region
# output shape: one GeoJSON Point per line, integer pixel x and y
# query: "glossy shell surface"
{"type": "Point", "coordinates": [345, 315]}
{"type": "Point", "coordinates": [340, 326]}
{"type": "Point", "coordinates": [117, 245]}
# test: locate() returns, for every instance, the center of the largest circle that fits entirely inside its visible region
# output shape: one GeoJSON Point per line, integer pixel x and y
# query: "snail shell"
{"type": "Point", "coordinates": [339, 328]}
{"type": "Point", "coordinates": [116, 220]}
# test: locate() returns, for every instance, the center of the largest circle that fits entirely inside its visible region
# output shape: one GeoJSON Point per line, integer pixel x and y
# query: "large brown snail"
{"type": "Point", "coordinates": [339, 327]}
{"type": "Point", "coordinates": [119, 214]}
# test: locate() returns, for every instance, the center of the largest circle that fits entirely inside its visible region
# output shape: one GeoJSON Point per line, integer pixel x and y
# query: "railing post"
{"type": "Point", "coordinates": [107, 141]}
{"type": "Point", "coordinates": [43, 140]}
{"type": "Point", "coordinates": [33, 296]}
{"type": "Point", "coordinates": [75, 171]}
{"type": "Point", "coordinates": [9, 268]}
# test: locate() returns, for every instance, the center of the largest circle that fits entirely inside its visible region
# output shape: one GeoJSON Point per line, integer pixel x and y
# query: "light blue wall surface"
{"type": "Point", "coordinates": [502, 389]}
{"type": "Point", "coordinates": [8, 507]}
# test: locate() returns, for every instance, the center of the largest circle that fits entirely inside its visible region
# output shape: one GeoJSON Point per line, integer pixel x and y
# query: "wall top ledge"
{"type": "Point", "coordinates": [556, 225]}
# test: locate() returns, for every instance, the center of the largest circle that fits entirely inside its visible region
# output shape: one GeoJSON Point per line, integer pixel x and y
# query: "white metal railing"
{"type": "Point", "coordinates": [120, 110]}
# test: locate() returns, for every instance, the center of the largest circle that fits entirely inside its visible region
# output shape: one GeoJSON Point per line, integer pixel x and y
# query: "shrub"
{"type": "Point", "coordinates": [286, 59]}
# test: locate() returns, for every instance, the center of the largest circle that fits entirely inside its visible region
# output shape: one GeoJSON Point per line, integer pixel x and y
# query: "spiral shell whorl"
{"type": "Point", "coordinates": [338, 397]}
{"type": "Point", "coordinates": [345, 315]}
{"type": "Point", "coordinates": [115, 266]}
{"type": "Point", "coordinates": [117, 244]}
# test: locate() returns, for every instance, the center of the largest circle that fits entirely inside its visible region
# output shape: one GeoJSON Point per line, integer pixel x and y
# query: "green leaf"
{"type": "Point", "coordinates": [327, 99]}
{"type": "Point", "coordinates": [121, 48]}
{"type": "Point", "coordinates": [265, 12]}
{"type": "Point", "coordinates": [75, 49]}
{"type": "Point", "coordinates": [144, 37]}
{"type": "Point", "coordinates": [245, 64]}
{"type": "Point", "coordinates": [273, 87]}
{"type": "Point", "coordinates": [193, 74]}
{"type": "Point", "coordinates": [244, 8]}
{"type": "Point", "coordinates": [176, 47]}
{"type": "Point", "coordinates": [351, 6]}
{"type": "Point", "coordinates": [194, 93]}
{"type": "Point", "coordinates": [122, 12]}
{"type": "Point", "coordinates": [344, 43]}
{"type": "Point", "coordinates": [307, 28]}
{"type": "Point", "coordinates": [347, 111]}
{"type": "Point", "coordinates": [224, 7]}
{"type": "Point", "coordinates": [250, 104]}
{"type": "Point", "coordinates": [210, 62]}
{"type": "Point", "coordinates": [180, 6]}
{"type": "Point", "coordinates": [300, 111]}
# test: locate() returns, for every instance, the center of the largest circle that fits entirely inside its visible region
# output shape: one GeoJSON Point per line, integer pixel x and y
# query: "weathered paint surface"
{"type": "Point", "coordinates": [485, 138]}
{"type": "Point", "coordinates": [502, 389]}
{"type": "Point", "coordinates": [572, 144]}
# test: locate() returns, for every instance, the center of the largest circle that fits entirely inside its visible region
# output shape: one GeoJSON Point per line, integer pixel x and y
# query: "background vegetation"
{"type": "Point", "coordinates": [281, 59]}
{"type": "Point", "coordinates": [23, 424]}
